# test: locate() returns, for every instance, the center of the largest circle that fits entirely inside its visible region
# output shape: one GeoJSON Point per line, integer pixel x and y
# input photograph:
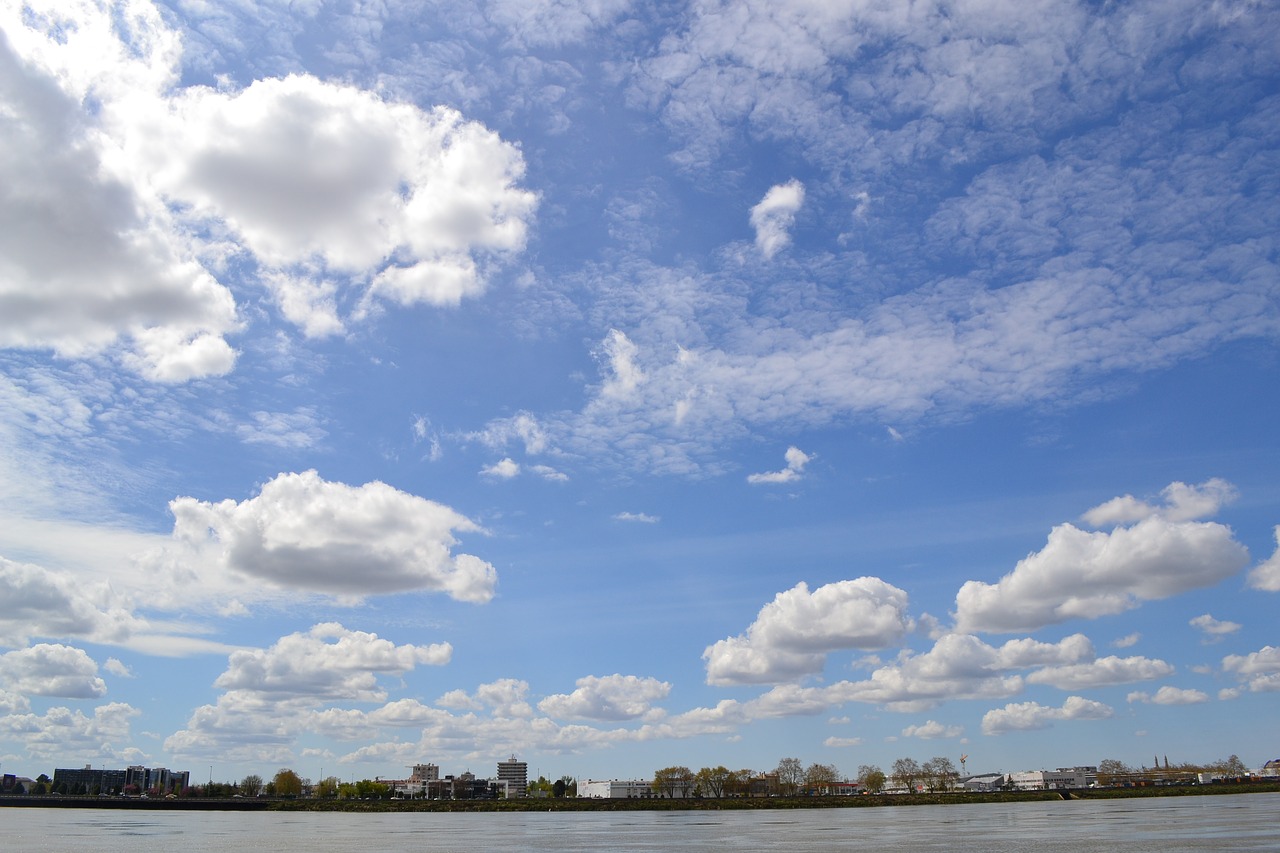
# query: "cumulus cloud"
{"type": "Point", "coordinates": [124, 193]}
{"type": "Point", "coordinates": [1169, 696]}
{"type": "Point", "coordinates": [88, 255]}
{"type": "Point", "coordinates": [305, 171]}
{"type": "Point", "coordinates": [1102, 672]}
{"type": "Point", "coordinates": [796, 460]}
{"type": "Point", "coordinates": [1084, 575]}
{"type": "Point", "coordinates": [1259, 671]}
{"type": "Point", "coordinates": [302, 532]}
{"type": "Point", "coordinates": [611, 697]}
{"type": "Point", "coordinates": [959, 666]}
{"type": "Point", "coordinates": [774, 215]}
{"type": "Point", "coordinates": [61, 730]}
{"type": "Point", "coordinates": [1214, 630]}
{"type": "Point", "coordinates": [792, 635]}
{"type": "Point", "coordinates": [1266, 575]}
{"type": "Point", "coordinates": [932, 730]}
{"type": "Point", "coordinates": [1181, 503]}
{"type": "Point", "coordinates": [52, 670]}
{"type": "Point", "coordinates": [1027, 716]}
{"type": "Point", "coordinates": [44, 603]}
{"type": "Point", "coordinates": [326, 663]}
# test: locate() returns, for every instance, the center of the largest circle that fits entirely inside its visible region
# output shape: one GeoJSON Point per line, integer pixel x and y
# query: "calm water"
{"type": "Point", "coordinates": [1244, 822]}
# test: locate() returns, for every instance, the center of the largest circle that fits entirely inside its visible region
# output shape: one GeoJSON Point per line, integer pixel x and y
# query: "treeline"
{"type": "Point", "coordinates": [791, 777]}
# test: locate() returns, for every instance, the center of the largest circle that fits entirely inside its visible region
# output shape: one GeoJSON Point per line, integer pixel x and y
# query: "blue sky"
{"type": "Point", "coordinates": [623, 385]}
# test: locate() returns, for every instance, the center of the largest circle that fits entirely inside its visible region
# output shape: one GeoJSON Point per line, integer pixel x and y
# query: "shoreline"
{"type": "Point", "coordinates": [613, 805]}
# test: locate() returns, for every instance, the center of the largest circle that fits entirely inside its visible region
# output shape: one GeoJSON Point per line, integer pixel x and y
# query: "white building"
{"type": "Point", "coordinates": [1045, 780]}
{"type": "Point", "coordinates": [621, 789]}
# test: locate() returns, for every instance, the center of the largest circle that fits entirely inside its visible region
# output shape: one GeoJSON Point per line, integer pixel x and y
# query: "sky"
{"type": "Point", "coordinates": [622, 385]}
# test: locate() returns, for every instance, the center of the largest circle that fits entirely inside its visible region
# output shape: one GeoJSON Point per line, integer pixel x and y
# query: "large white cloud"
{"type": "Point", "coordinates": [52, 670]}
{"type": "Point", "coordinates": [123, 195]}
{"type": "Point", "coordinates": [326, 663]}
{"type": "Point", "coordinates": [314, 175]}
{"type": "Point", "coordinates": [1083, 575]}
{"type": "Point", "coordinates": [88, 256]}
{"type": "Point", "coordinates": [1028, 716]}
{"type": "Point", "coordinates": [793, 633]}
{"type": "Point", "coordinates": [610, 697]}
{"type": "Point", "coordinates": [303, 532]}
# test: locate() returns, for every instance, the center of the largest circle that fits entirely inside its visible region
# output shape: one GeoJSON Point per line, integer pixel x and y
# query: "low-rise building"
{"type": "Point", "coordinates": [618, 789]}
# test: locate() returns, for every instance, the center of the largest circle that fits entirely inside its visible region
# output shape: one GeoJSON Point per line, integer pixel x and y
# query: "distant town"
{"type": "Point", "coordinates": [790, 778]}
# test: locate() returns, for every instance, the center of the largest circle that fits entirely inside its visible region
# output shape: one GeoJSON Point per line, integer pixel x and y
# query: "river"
{"type": "Point", "coordinates": [1165, 824]}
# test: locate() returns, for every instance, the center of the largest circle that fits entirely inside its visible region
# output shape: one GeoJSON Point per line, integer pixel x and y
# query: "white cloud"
{"type": "Point", "coordinates": [1259, 671]}
{"type": "Point", "coordinates": [503, 469]}
{"type": "Point", "coordinates": [60, 731]}
{"type": "Point", "coordinates": [1266, 575]}
{"type": "Point", "coordinates": [88, 255]}
{"type": "Point", "coordinates": [118, 668]}
{"type": "Point", "coordinates": [43, 603]}
{"type": "Point", "coordinates": [637, 517]}
{"type": "Point", "coordinates": [1170, 696]}
{"type": "Point", "coordinates": [796, 460]}
{"type": "Point", "coordinates": [123, 190]}
{"type": "Point", "coordinates": [1127, 641]}
{"type": "Point", "coordinates": [291, 430]}
{"type": "Point", "coordinates": [302, 532]}
{"type": "Point", "coordinates": [1214, 630]}
{"type": "Point", "coordinates": [1102, 672]}
{"type": "Point", "coordinates": [792, 634]}
{"type": "Point", "coordinates": [773, 217]}
{"type": "Point", "coordinates": [618, 353]}
{"type": "Point", "coordinates": [1084, 575]}
{"type": "Point", "coordinates": [1181, 503]}
{"type": "Point", "coordinates": [611, 697]}
{"type": "Point", "coordinates": [842, 742]}
{"type": "Point", "coordinates": [1027, 716]}
{"type": "Point", "coordinates": [932, 730]}
{"type": "Point", "coordinates": [328, 662]}
{"type": "Point", "coordinates": [52, 670]}
{"type": "Point", "coordinates": [546, 472]}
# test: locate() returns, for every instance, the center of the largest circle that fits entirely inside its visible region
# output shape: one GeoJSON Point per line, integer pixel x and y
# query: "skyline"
{"type": "Point", "coordinates": [620, 385]}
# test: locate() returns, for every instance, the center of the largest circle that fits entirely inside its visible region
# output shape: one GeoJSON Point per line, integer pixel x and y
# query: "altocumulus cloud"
{"type": "Point", "coordinates": [303, 532]}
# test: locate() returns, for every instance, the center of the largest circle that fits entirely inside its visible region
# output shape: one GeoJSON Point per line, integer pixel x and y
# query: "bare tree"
{"type": "Point", "coordinates": [906, 771]}
{"type": "Point", "coordinates": [939, 773]}
{"type": "Point", "coordinates": [819, 778]}
{"type": "Point", "coordinates": [790, 774]}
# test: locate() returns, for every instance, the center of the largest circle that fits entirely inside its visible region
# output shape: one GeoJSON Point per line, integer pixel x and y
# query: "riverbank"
{"type": "Point", "coordinates": [616, 805]}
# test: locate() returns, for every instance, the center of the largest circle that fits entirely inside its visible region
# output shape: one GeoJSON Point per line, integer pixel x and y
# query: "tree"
{"type": "Point", "coordinates": [1110, 769]}
{"type": "Point", "coordinates": [327, 788]}
{"type": "Point", "coordinates": [939, 773]}
{"type": "Point", "coordinates": [739, 782]}
{"type": "Point", "coordinates": [871, 777]}
{"type": "Point", "coordinates": [713, 781]}
{"type": "Point", "coordinates": [905, 773]}
{"type": "Point", "coordinates": [668, 780]}
{"type": "Point", "coordinates": [287, 783]}
{"type": "Point", "coordinates": [251, 785]}
{"type": "Point", "coordinates": [1232, 766]}
{"type": "Point", "coordinates": [819, 778]}
{"type": "Point", "coordinates": [790, 774]}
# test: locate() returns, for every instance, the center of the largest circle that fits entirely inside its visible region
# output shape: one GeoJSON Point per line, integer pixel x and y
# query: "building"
{"type": "Point", "coordinates": [104, 781]}
{"type": "Point", "coordinates": [1045, 780]}
{"type": "Point", "coordinates": [616, 789]}
{"type": "Point", "coordinates": [516, 775]}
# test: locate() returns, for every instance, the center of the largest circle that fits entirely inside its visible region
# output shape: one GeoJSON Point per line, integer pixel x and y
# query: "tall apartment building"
{"type": "Point", "coordinates": [516, 775]}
